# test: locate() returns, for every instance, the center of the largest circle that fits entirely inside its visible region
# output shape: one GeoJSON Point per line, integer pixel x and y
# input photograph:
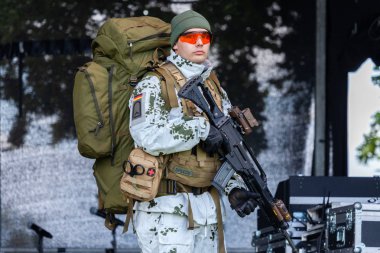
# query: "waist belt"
{"type": "Point", "coordinates": [169, 187]}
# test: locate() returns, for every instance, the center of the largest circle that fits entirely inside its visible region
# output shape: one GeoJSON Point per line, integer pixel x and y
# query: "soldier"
{"type": "Point", "coordinates": [186, 216]}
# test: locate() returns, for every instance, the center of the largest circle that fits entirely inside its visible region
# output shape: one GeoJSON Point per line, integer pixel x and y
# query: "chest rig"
{"type": "Point", "coordinates": [193, 167]}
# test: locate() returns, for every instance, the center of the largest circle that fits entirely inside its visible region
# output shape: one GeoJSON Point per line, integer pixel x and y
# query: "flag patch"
{"type": "Point", "coordinates": [138, 97]}
{"type": "Point", "coordinates": [137, 107]}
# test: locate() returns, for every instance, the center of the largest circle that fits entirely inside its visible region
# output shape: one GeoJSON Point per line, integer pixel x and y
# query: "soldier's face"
{"type": "Point", "coordinates": [197, 52]}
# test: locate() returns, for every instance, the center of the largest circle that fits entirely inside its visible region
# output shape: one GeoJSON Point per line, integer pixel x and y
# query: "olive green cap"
{"type": "Point", "coordinates": [185, 21]}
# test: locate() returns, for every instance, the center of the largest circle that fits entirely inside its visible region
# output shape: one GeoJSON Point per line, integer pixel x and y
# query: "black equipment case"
{"type": "Point", "coordinates": [353, 228]}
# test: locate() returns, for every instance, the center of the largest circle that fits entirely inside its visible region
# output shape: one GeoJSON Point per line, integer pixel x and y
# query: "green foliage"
{"type": "Point", "coordinates": [370, 149]}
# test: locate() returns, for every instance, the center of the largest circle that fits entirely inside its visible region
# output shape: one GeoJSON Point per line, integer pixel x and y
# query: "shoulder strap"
{"type": "Point", "coordinates": [175, 72]}
{"type": "Point", "coordinates": [180, 81]}
{"type": "Point", "coordinates": [215, 79]}
{"type": "Point", "coordinates": [168, 87]}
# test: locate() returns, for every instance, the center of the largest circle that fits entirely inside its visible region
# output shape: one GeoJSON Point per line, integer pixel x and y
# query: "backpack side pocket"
{"type": "Point", "coordinates": [91, 111]}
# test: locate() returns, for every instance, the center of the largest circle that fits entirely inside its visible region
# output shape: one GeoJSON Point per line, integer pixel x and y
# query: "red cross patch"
{"type": "Point", "coordinates": [151, 172]}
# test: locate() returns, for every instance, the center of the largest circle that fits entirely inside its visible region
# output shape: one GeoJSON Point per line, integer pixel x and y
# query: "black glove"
{"type": "Point", "coordinates": [213, 142]}
{"type": "Point", "coordinates": [243, 201]}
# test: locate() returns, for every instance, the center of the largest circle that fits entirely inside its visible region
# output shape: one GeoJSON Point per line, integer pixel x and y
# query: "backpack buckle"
{"type": "Point", "coordinates": [171, 187]}
{"type": "Point", "coordinates": [196, 190]}
{"type": "Point", "coordinates": [133, 80]}
{"type": "Point", "coordinates": [199, 190]}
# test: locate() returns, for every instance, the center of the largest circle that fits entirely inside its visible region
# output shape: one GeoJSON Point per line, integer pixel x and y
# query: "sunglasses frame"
{"type": "Point", "coordinates": [196, 32]}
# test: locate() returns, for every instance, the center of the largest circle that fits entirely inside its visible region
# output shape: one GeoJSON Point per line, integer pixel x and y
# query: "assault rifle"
{"type": "Point", "coordinates": [237, 156]}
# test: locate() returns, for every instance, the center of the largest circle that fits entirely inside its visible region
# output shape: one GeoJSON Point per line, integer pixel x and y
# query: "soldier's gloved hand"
{"type": "Point", "coordinates": [243, 201]}
{"type": "Point", "coordinates": [213, 142]}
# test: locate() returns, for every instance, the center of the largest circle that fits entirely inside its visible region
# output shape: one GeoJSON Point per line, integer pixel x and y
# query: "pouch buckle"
{"type": "Point", "coordinates": [199, 190]}
{"type": "Point", "coordinates": [171, 187]}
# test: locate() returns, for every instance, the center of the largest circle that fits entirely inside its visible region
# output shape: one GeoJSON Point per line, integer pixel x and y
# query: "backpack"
{"type": "Point", "coordinates": [123, 51]}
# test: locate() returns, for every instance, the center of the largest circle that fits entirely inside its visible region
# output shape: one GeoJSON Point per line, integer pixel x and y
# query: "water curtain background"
{"type": "Point", "coordinates": [264, 51]}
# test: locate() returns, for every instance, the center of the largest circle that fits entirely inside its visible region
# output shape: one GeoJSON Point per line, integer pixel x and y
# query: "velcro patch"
{"type": "Point", "coordinates": [138, 107]}
{"type": "Point", "coordinates": [183, 171]}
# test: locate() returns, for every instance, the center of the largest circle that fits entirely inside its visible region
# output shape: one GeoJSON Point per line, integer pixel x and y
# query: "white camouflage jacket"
{"type": "Point", "coordinates": [160, 131]}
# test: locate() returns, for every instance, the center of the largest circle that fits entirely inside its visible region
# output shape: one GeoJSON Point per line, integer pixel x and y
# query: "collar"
{"type": "Point", "coordinates": [190, 69]}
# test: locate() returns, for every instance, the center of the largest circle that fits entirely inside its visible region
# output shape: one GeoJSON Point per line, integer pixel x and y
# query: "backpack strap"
{"type": "Point", "coordinates": [168, 87]}
{"type": "Point", "coordinates": [215, 196]}
{"type": "Point", "coordinates": [175, 72]}
{"type": "Point", "coordinates": [215, 79]}
{"type": "Point", "coordinates": [179, 81]}
{"type": "Point", "coordinates": [129, 216]}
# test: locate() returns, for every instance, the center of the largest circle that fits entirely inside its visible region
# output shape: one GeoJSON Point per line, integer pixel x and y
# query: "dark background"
{"type": "Point", "coordinates": [55, 37]}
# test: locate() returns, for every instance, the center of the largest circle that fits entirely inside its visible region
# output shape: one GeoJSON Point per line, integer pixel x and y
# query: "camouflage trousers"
{"type": "Point", "coordinates": [168, 233]}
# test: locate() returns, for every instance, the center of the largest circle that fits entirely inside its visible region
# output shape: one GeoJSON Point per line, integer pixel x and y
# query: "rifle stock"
{"type": "Point", "coordinates": [237, 156]}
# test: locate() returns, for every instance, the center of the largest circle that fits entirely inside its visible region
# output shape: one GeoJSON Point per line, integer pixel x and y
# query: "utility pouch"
{"type": "Point", "coordinates": [195, 171]}
{"type": "Point", "coordinates": [142, 176]}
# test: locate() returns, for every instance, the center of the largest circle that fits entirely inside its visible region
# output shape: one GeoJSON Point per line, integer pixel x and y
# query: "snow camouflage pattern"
{"type": "Point", "coordinates": [160, 131]}
{"type": "Point", "coordinates": [168, 233]}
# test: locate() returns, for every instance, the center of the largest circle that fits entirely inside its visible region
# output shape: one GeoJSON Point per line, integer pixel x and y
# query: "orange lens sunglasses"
{"type": "Point", "coordinates": [192, 37]}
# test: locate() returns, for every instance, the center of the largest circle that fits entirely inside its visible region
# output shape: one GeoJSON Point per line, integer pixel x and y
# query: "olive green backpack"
{"type": "Point", "coordinates": [123, 51]}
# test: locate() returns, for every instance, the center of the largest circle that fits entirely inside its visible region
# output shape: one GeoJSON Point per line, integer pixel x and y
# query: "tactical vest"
{"type": "Point", "coordinates": [193, 167]}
